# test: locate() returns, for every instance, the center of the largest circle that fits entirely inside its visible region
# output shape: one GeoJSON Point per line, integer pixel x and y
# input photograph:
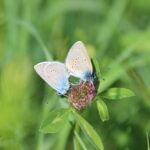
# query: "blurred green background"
{"type": "Point", "coordinates": [116, 32]}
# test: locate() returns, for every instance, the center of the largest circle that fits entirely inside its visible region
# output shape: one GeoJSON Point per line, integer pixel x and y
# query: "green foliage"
{"type": "Point", "coordinates": [55, 121]}
{"type": "Point", "coordinates": [148, 146]}
{"type": "Point", "coordinates": [117, 93]}
{"type": "Point", "coordinates": [116, 33]}
{"type": "Point", "coordinates": [97, 73]}
{"type": "Point", "coordinates": [103, 110]}
{"type": "Point", "coordinates": [89, 130]}
{"type": "Point", "coordinates": [80, 141]}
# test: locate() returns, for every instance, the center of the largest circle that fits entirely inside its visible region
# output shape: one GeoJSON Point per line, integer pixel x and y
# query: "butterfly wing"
{"type": "Point", "coordinates": [78, 62]}
{"type": "Point", "coordinates": [55, 74]}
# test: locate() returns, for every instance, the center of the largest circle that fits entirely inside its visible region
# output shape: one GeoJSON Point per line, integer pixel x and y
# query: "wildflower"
{"type": "Point", "coordinates": [81, 95]}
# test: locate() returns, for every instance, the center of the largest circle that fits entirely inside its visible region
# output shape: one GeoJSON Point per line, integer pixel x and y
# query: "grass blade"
{"type": "Point", "coordinates": [90, 131]}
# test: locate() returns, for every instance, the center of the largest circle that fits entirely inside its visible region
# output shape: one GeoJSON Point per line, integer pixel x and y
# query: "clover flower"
{"type": "Point", "coordinates": [81, 94]}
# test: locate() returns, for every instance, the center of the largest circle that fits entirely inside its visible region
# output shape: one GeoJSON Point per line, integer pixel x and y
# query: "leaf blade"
{"type": "Point", "coordinates": [103, 110]}
{"type": "Point", "coordinates": [117, 93]}
{"type": "Point", "coordinates": [80, 140]}
{"type": "Point", "coordinates": [54, 121]}
{"type": "Point", "coordinates": [97, 71]}
{"type": "Point", "coordinates": [86, 127]}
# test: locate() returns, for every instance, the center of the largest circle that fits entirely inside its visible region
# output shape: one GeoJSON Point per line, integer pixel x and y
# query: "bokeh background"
{"type": "Point", "coordinates": [116, 32]}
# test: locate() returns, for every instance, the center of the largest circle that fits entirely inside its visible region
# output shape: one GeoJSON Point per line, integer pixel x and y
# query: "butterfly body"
{"type": "Point", "coordinates": [88, 76]}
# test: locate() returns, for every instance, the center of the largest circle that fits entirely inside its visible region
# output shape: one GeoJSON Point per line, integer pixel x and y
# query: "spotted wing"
{"type": "Point", "coordinates": [78, 62]}
{"type": "Point", "coordinates": [55, 74]}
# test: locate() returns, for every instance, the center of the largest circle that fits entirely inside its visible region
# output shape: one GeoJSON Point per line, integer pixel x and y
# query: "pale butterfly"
{"type": "Point", "coordinates": [55, 74]}
{"type": "Point", "coordinates": [78, 62]}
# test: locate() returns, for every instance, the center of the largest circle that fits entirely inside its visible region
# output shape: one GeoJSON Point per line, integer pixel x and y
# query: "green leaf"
{"type": "Point", "coordinates": [96, 65]}
{"type": "Point", "coordinates": [148, 147]}
{"type": "Point", "coordinates": [103, 111]}
{"type": "Point", "coordinates": [55, 121]}
{"type": "Point", "coordinates": [63, 136]}
{"type": "Point", "coordinates": [76, 141]}
{"type": "Point", "coordinates": [89, 130]}
{"type": "Point", "coordinates": [97, 71]}
{"type": "Point", "coordinates": [80, 140]}
{"type": "Point", "coordinates": [117, 93]}
{"type": "Point", "coordinates": [76, 144]}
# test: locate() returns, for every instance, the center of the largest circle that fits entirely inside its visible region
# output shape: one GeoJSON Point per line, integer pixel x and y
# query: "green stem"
{"type": "Point", "coordinates": [78, 143]}
{"type": "Point", "coordinates": [148, 147]}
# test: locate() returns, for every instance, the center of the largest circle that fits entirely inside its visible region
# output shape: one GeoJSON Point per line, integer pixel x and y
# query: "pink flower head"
{"type": "Point", "coordinates": [81, 95]}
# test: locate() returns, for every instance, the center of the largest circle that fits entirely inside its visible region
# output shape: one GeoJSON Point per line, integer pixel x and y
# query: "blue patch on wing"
{"type": "Point", "coordinates": [88, 76]}
{"type": "Point", "coordinates": [63, 85]}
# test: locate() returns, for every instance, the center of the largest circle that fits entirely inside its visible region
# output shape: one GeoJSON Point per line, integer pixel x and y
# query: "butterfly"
{"type": "Point", "coordinates": [78, 62]}
{"type": "Point", "coordinates": [55, 74]}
